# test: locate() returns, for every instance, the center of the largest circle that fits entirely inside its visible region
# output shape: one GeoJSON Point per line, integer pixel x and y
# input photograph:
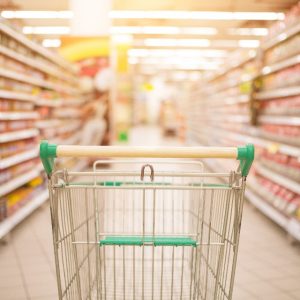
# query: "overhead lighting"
{"type": "Point", "coordinates": [248, 31]}
{"type": "Point", "coordinates": [176, 42]}
{"type": "Point", "coordinates": [249, 43]}
{"type": "Point", "coordinates": [51, 43]}
{"type": "Point", "coordinates": [125, 30]}
{"type": "Point", "coordinates": [163, 30]}
{"type": "Point", "coordinates": [183, 66]}
{"type": "Point", "coordinates": [200, 30]}
{"type": "Point", "coordinates": [122, 39]}
{"type": "Point", "coordinates": [142, 52]}
{"type": "Point", "coordinates": [173, 60]}
{"type": "Point", "coordinates": [225, 43]}
{"type": "Point", "coordinates": [36, 14]}
{"type": "Point", "coordinates": [61, 30]}
{"type": "Point", "coordinates": [195, 15]}
{"type": "Point", "coordinates": [186, 43]}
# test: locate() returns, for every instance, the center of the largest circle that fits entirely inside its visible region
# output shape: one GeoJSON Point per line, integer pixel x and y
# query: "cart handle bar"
{"type": "Point", "coordinates": [49, 151]}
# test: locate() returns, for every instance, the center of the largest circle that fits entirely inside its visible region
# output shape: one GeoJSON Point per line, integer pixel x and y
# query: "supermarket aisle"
{"type": "Point", "coordinates": [268, 267]}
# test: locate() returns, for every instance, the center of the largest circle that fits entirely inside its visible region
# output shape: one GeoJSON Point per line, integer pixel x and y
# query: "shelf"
{"type": "Point", "coordinates": [281, 169]}
{"type": "Point", "coordinates": [279, 179]}
{"type": "Point", "coordinates": [232, 67]}
{"type": "Point", "coordinates": [35, 81]}
{"type": "Point", "coordinates": [34, 63]}
{"type": "Point", "coordinates": [67, 113]}
{"type": "Point", "coordinates": [18, 135]}
{"type": "Point", "coordinates": [280, 120]}
{"type": "Point", "coordinates": [271, 146]}
{"type": "Point", "coordinates": [281, 37]}
{"type": "Point", "coordinates": [266, 208]}
{"type": "Point", "coordinates": [278, 93]}
{"type": "Point", "coordinates": [17, 96]}
{"type": "Point", "coordinates": [225, 118]}
{"type": "Point", "coordinates": [49, 102]}
{"type": "Point", "coordinates": [49, 55]}
{"type": "Point", "coordinates": [12, 116]}
{"type": "Point", "coordinates": [291, 225]}
{"type": "Point", "coordinates": [230, 100]}
{"type": "Point", "coordinates": [52, 123]}
{"type": "Point", "coordinates": [18, 158]}
{"type": "Point", "coordinates": [281, 65]}
{"type": "Point", "coordinates": [25, 78]}
{"type": "Point", "coordinates": [18, 181]}
{"type": "Point", "coordinates": [8, 224]}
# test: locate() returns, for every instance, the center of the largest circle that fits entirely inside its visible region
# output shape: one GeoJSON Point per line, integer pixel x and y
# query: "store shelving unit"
{"type": "Point", "coordinates": [18, 135]}
{"type": "Point", "coordinates": [35, 83]}
{"type": "Point", "coordinates": [9, 223]}
{"type": "Point", "coordinates": [13, 160]}
{"type": "Point", "coordinates": [255, 101]}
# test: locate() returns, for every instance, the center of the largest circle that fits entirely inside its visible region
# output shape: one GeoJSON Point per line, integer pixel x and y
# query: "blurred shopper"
{"type": "Point", "coordinates": [94, 124]}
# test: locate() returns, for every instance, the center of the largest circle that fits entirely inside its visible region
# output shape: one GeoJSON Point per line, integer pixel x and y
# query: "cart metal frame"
{"type": "Point", "coordinates": [146, 230]}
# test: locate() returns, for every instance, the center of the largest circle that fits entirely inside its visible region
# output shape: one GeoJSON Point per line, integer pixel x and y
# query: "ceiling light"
{"type": "Point", "coordinates": [174, 60]}
{"type": "Point", "coordinates": [125, 30]}
{"type": "Point", "coordinates": [225, 43]}
{"type": "Point", "coordinates": [249, 43]}
{"type": "Point", "coordinates": [160, 30]}
{"type": "Point", "coordinates": [176, 42]}
{"type": "Point", "coordinates": [122, 39]}
{"type": "Point", "coordinates": [46, 30]}
{"type": "Point", "coordinates": [51, 43]}
{"type": "Point", "coordinates": [179, 53]}
{"type": "Point", "coordinates": [183, 66]}
{"type": "Point", "coordinates": [36, 14]}
{"type": "Point", "coordinates": [248, 31]}
{"type": "Point", "coordinates": [185, 43]}
{"type": "Point", "coordinates": [200, 30]}
{"type": "Point", "coordinates": [195, 15]}
{"type": "Point", "coordinates": [163, 30]}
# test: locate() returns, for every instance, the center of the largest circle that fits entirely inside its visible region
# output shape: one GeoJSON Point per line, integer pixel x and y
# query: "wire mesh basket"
{"type": "Point", "coordinates": [146, 230]}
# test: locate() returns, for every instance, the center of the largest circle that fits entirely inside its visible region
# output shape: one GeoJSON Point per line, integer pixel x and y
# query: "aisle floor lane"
{"type": "Point", "coordinates": [268, 266]}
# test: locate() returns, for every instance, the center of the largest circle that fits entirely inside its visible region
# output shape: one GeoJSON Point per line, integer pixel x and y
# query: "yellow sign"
{"type": "Point", "coordinates": [79, 48]}
{"type": "Point", "coordinates": [148, 87]}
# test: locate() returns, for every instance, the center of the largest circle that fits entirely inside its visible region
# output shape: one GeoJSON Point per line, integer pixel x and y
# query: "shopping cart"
{"type": "Point", "coordinates": [146, 230]}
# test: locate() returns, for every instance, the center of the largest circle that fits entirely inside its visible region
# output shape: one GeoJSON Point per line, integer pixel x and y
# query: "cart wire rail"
{"type": "Point", "coordinates": [145, 230]}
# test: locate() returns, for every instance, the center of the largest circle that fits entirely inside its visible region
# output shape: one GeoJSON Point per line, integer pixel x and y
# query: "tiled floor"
{"type": "Point", "coordinates": [268, 266]}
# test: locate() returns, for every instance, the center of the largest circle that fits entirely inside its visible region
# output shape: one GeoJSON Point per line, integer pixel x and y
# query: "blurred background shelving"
{"type": "Point", "coordinates": [40, 98]}
{"type": "Point", "coordinates": [257, 101]}
{"type": "Point", "coordinates": [209, 82]}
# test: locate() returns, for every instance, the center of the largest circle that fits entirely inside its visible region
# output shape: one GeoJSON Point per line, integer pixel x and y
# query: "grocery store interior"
{"type": "Point", "coordinates": [222, 73]}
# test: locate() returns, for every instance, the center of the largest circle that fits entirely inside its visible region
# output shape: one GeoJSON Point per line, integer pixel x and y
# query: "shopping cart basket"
{"type": "Point", "coordinates": [146, 230]}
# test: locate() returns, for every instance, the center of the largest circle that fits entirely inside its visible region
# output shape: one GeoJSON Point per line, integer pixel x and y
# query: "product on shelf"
{"type": "Point", "coordinates": [284, 164]}
{"type": "Point", "coordinates": [285, 130]}
{"type": "Point", "coordinates": [11, 202]}
{"type": "Point", "coordinates": [283, 199]}
{"type": "Point", "coordinates": [258, 101]}
{"type": "Point", "coordinates": [33, 80]}
{"type": "Point", "coordinates": [291, 19]}
{"type": "Point", "coordinates": [284, 78]}
{"type": "Point", "coordinates": [13, 148]}
{"type": "Point", "coordinates": [283, 51]}
{"type": "Point", "coordinates": [281, 106]}
{"type": "Point", "coordinates": [16, 170]}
